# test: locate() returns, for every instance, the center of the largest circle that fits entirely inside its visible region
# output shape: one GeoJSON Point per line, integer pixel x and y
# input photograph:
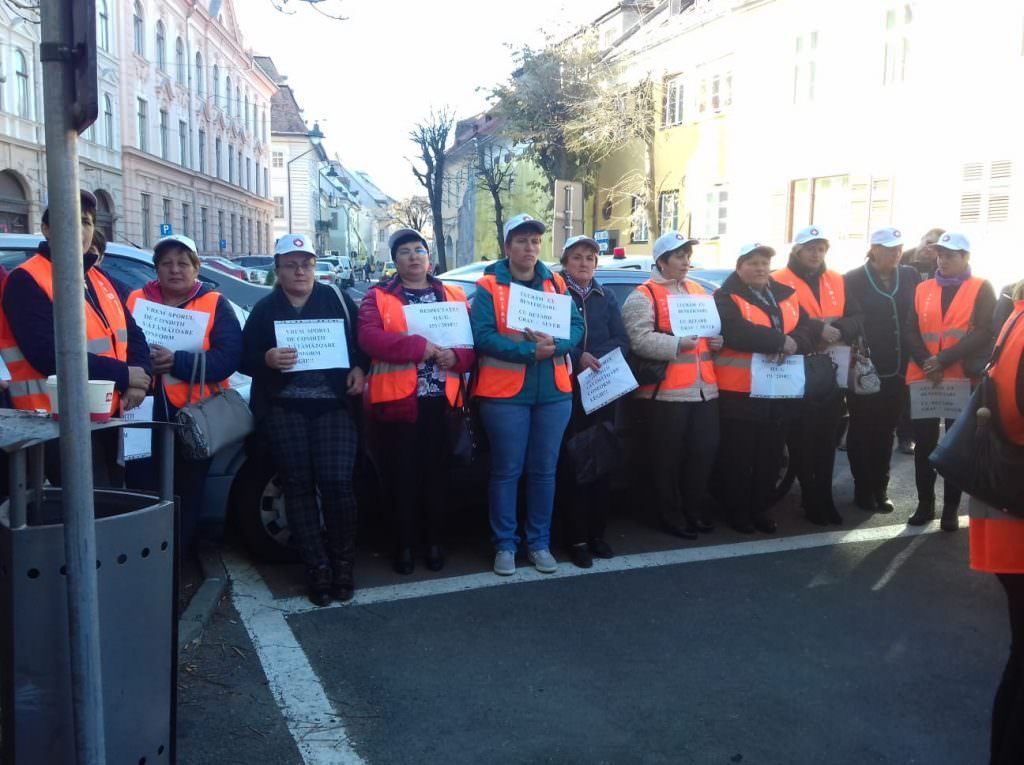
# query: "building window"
{"type": "Point", "coordinates": [147, 235]}
{"type": "Point", "coordinates": [241, 179]}
{"type": "Point", "coordinates": [227, 95]}
{"type": "Point", "coordinates": [143, 125]}
{"type": "Point", "coordinates": [668, 210]}
{"type": "Point", "coordinates": [277, 159]}
{"type": "Point", "coordinates": [824, 200]}
{"type": "Point", "coordinates": [266, 182]}
{"type": "Point", "coordinates": [985, 192]}
{"type": "Point", "coordinates": [161, 50]}
{"type": "Point", "coordinates": [263, 124]}
{"type": "Point", "coordinates": [231, 163]}
{"type": "Point", "coordinates": [259, 239]}
{"type": "Point", "coordinates": [138, 30]}
{"type": "Point", "coordinates": [108, 121]}
{"type": "Point", "coordinates": [641, 228]}
{"type": "Point", "coordinates": [202, 150]}
{"type": "Point", "coordinates": [215, 86]}
{"type": "Point", "coordinates": [103, 27]}
{"type": "Point", "coordinates": [179, 61]}
{"type": "Point", "coordinates": [200, 80]}
{"type": "Point", "coordinates": [167, 212]}
{"type": "Point", "coordinates": [897, 43]}
{"type": "Point", "coordinates": [234, 232]}
{"type": "Point", "coordinates": [163, 134]}
{"type": "Point", "coordinates": [183, 137]}
{"type": "Point", "coordinates": [278, 207]}
{"type": "Point", "coordinates": [256, 179]}
{"type": "Point", "coordinates": [220, 230]}
{"type": "Point", "coordinates": [21, 80]}
{"type": "Point", "coordinates": [716, 213]}
{"type": "Point", "coordinates": [248, 174]}
{"type": "Point", "coordinates": [204, 224]}
{"type": "Point", "coordinates": [186, 219]}
{"type": "Point", "coordinates": [238, 101]}
{"type": "Point", "coordinates": [245, 125]}
{"type": "Point", "coordinates": [673, 110]}
{"type": "Point", "coordinates": [216, 158]}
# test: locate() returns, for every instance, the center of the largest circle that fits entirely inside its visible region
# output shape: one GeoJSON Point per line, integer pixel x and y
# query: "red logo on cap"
{"type": "Point", "coordinates": [298, 242]}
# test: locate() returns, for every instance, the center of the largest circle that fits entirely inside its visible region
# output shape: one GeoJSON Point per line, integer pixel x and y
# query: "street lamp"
{"type": "Point", "coordinates": [315, 137]}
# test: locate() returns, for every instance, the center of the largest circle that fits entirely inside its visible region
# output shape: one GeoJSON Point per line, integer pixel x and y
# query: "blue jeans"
{"type": "Point", "coordinates": [523, 437]}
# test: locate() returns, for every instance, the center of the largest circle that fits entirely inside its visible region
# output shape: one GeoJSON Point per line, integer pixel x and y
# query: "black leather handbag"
{"type": "Point", "coordinates": [975, 455]}
{"type": "Point", "coordinates": [820, 385]}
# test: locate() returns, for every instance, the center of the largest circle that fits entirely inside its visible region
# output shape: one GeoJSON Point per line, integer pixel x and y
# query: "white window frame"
{"type": "Point", "coordinates": [103, 25]}
{"type": "Point", "coordinates": [142, 123]}
{"type": "Point", "coordinates": [668, 210]}
{"type": "Point", "coordinates": [161, 46]}
{"type": "Point", "coordinates": [139, 29]}
{"type": "Point", "coordinates": [640, 229]}
{"type": "Point", "coordinates": [673, 107]}
{"type": "Point", "coordinates": [277, 159]}
{"type": "Point", "coordinates": [23, 91]}
{"type": "Point", "coordinates": [805, 68]}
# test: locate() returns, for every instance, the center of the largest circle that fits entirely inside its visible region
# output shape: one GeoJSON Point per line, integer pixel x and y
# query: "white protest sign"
{"type": "Point", "coordinates": [946, 400]}
{"type": "Point", "coordinates": [177, 329]}
{"type": "Point", "coordinates": [5, 373]}
{"type": "Point", "coordinates": [612, 381]}
{"type": "Point", "coordinates": [137, 443]}
{"type": "Point", "coordinates": [694, 315]}
{"type": "Point", "coordinates": [443, 324]}
{"type": "Point", "coordinates": [320, 342]}
{"type": "Point", "coordinates": [771, 378]}
{"type": "Point", "coordinates": [547, 312]}
{"type": "Point", "coordinates": [841, 355]}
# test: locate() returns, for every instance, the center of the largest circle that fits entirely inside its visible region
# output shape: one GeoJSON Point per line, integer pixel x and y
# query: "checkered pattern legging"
{"type": "Point", "coordinates": [312, 454]}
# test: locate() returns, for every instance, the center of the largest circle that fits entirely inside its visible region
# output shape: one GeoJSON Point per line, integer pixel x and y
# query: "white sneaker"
{"type": "Point", "coordinates": [505, 563]}
{"type": "Point", "coordinates": [543, 561]}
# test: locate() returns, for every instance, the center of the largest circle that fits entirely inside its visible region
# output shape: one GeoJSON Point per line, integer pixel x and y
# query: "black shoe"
{"type": "Point", "coordinates": [580, 555]}
{"type": "Point", "coordinates": [833, 516]}
{"type": "Point", "coordinates": [817, 517]}
{"type": "Point", "coordinates": [906, 446]}
{"type": "Point", "coordinates": [601, 549]}
{"type": "Point", "coordinates": [435, 557]}
{"type": "Point", "coordinates": [742, 525]}
{"type": "Point", "coordinates": [925, 513]}
{"type": "Point", "coordinates": [884, 504]}
{"type": "Point", "coordinates": [676, 530]}
{"type": "Point", "coordinates": [318, 585]}
{"type": "Point", "coordinates": [766, 525]}
{"type": "Point", "coordinates": [343, 586]}
{"type": "Point", "coordinates": [404, 562]}
{"type": "Point", "coordinates": [864, 500]}
{"type": "Point", "coordinates": [950, 517]}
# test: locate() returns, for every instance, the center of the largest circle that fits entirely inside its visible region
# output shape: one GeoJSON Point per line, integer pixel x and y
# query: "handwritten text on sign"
{"type": "Point", "coordinates": [947, 400]}
{"type": "Point", "coordinates": [320, 343]}
{"type": "Point", "coordinates": [137, 443]}
{"type": "Point", "coordinates": [770, 378]}
{"type": "Point", "coordinates": [177, 329]}
{"type": "Point", "coordinates": [840, 355]}
{"type": "Point", "coordinates": [547, 312]}
{"type": "Point", "coordinates": [613, 380]}
{"type": "Point", "coordinates": [443, 324]}
{"type": "Point", "coordinates": [694, 315]}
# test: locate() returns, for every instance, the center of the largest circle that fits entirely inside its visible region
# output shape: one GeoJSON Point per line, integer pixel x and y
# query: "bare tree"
{"type": "Point", "coordinates": [23, 9]}
{"type": "Point", "coordinates": [431, 137]}
{"type": "Point", "coordinates": [493, 169]}
{"type": "Point", "coordinates": [413, 213]}
{"type": "Point", "coordinates": [325, 8]}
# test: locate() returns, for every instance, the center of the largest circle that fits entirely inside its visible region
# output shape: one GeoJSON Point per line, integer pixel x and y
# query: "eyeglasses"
{"type": "Point", "coordinates": [296, 267]}
{"type": "Point", "coordinates": [411, 253]}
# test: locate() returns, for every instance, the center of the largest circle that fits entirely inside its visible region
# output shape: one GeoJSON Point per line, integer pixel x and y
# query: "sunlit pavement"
{"type": "Point", "coordinates": [866, 643]}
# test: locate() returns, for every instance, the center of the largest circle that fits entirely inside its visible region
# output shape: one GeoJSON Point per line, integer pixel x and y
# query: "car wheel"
{"type": "Point", "coordinates": [260, 518]}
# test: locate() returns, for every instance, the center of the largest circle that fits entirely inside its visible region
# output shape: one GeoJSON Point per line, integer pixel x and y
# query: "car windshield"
{"type": "Point", "coordinates": [323, 267]}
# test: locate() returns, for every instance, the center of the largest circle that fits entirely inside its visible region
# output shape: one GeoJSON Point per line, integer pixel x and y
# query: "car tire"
{"type": "Point", "coordinates": [258, 514]}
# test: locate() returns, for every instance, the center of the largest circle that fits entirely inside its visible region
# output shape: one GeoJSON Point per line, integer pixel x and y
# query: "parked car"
{"type": "Point", "coordinates": [346, 276]}
{"type": "Point", "coordinates": [229, 267]}
{"type": "Point", "coordinates": [256, 267]}
{"type": "Point", "coordinates": [325, 273]}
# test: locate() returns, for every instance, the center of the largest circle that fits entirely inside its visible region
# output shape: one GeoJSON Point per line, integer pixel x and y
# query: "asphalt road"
{"type": "Point", "coordinates": [859, 645]}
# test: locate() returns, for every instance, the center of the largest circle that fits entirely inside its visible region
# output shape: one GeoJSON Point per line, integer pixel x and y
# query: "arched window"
{"type": "Point", "coordinates": [200, 81]}
{"type": "Point", "coordinates": [246, 123]}
{"type": "Point", "coordinates": [263, 124]}
{"type": "Point", "coordinates": [139, 31]}
{"type": "Point", "coordinates": [215, 87]}
{"type": "Point", "coordinates": [238, 101]}
{"type": "Point", "coordinates": [179, 60]}
{"type": "Point", "coordinates": [227, 95]}
{"type": "Point", "coordinates": [108, 121]}
{"type": "Point", "coordinates": [103, 28]}
{"type": "Point", "coordinates": [161, 52]}
{"type": "Point", "coordinates": [21, 84]}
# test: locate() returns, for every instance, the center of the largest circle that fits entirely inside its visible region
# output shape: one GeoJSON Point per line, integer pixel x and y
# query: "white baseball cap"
{"type": "Point", "coordinates": [185, 241]}
{"type": "Point", "coordinates": [671, 240]}
{"type": "Point", "coordinates": [887, 237]}
{"type": "Point", "coordinates": [294, 243]}
{"type": "Point", "coordinates": [574, 240]}
{"type": "Point", "coordinates": [809, 234]}
{"type": "Point", "coordinates": [954, 240]}
{"type": "Point", "coordinates": [521, 220]}
{"type": "Point", "coordinates": [754, 247]}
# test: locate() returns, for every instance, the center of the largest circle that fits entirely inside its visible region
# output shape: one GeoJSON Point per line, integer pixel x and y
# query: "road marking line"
{"type": "Point", "coordinates": [896, 563]}
{"type": "Point", "coordinates": [430, 587]}
{"type": "Point", "coordinates": [315, 725]}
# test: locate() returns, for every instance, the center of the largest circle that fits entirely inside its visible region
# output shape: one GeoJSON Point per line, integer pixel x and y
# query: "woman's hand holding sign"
{"type": "Point", "coordinates": [545, 344]}
{"type": "Point", "coordinates": [281, 359]}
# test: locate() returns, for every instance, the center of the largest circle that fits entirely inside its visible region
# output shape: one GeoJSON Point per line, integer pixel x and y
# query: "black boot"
{"type": "Point", "coordinates": [318, 585]}
{"type": "Point", "coordinates": [862, 498]}
{"type": "Point", "coordinates": [950, 518]}
{"type": "Point", "coordinates": [925, 513]}
{"type": "Point", "coordinates": [343, 586]}
{"type": "Point", "coordinates": [404, 562]}
{"type": "Point", "coordinates": [882, 500]}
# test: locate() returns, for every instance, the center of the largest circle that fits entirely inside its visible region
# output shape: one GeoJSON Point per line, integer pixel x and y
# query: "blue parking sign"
{"type": "Point", "coordinates": [223, 244]}
{"type": "Point", "coordinates": [165, 229]}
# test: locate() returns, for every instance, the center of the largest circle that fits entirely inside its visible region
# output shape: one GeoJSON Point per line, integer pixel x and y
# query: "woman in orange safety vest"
{"type": "Point", "coordinates": [948, 334]}
{"type": "Point", "coordinates": [411, 388]}
{"type": "Point", "coordinates": [997, 542]}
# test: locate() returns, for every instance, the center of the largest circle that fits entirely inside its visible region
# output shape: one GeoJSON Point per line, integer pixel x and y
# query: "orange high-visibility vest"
{"type": "Point", "coordinates": [681, 372]}
{"type": "Point", "coordinates": [504, 379]}
{"type": "Point", "coordinates": [733, 367]}
{"type": "Point", "coordinates": [939, 331]}
{"type": "Point", "coordinates": [1004, 375]}
{"type": "Point", "coordinates": [105, 335]}
{"type": "Point", "coordinates": [831, 289]}
{"type": "Point", "coordinates": [997, 540]}
{"type": "Point", "coordinates": [393, 382]}
{"type": "Point", "coordinates": [177, 390]}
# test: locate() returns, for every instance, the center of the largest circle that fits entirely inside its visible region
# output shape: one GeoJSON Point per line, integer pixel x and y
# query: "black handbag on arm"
{"type": "Point", "coordinates": [820, 384]}
{"type": "Point", "coordinates": [975, 455]}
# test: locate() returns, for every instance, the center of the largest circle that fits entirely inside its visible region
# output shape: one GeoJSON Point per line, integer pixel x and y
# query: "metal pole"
{"type": "Point", "coordinates": [73, 374]}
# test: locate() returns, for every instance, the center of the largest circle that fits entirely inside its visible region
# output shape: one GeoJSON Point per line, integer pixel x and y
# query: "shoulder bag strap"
{"type": "Point", "coordinates": [350, 328]}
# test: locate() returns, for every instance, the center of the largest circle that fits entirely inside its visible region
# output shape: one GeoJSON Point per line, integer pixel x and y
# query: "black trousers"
{"type": "Point", "coordinates": [812, 445]}
{"type": "Point", "coordinates": [1008, 710]}
{"type": "Point", "coordinates": [926, 438]}
{"type": "Point", "coordinates": [682, 439]}
{"type": "Point", "coordinates": [873, 422]}
{"type": "Point", "coordinates": [581, 509]}
{"type": "Point", "coordinates": [315, 458]}
{"type": "Point", "coordinates": [749, 460]}
{"type": "Point", "coordinates": [418, 453]}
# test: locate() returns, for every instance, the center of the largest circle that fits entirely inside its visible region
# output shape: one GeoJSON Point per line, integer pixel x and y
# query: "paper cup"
{"type": "Point", "coordinates": [51, 390]}
{"type": "Point", "coordinates": [101, 399]}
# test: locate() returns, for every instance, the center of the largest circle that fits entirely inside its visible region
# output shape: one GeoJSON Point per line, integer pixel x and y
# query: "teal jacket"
{"type": "Point", "coordinates": [539, 385]}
